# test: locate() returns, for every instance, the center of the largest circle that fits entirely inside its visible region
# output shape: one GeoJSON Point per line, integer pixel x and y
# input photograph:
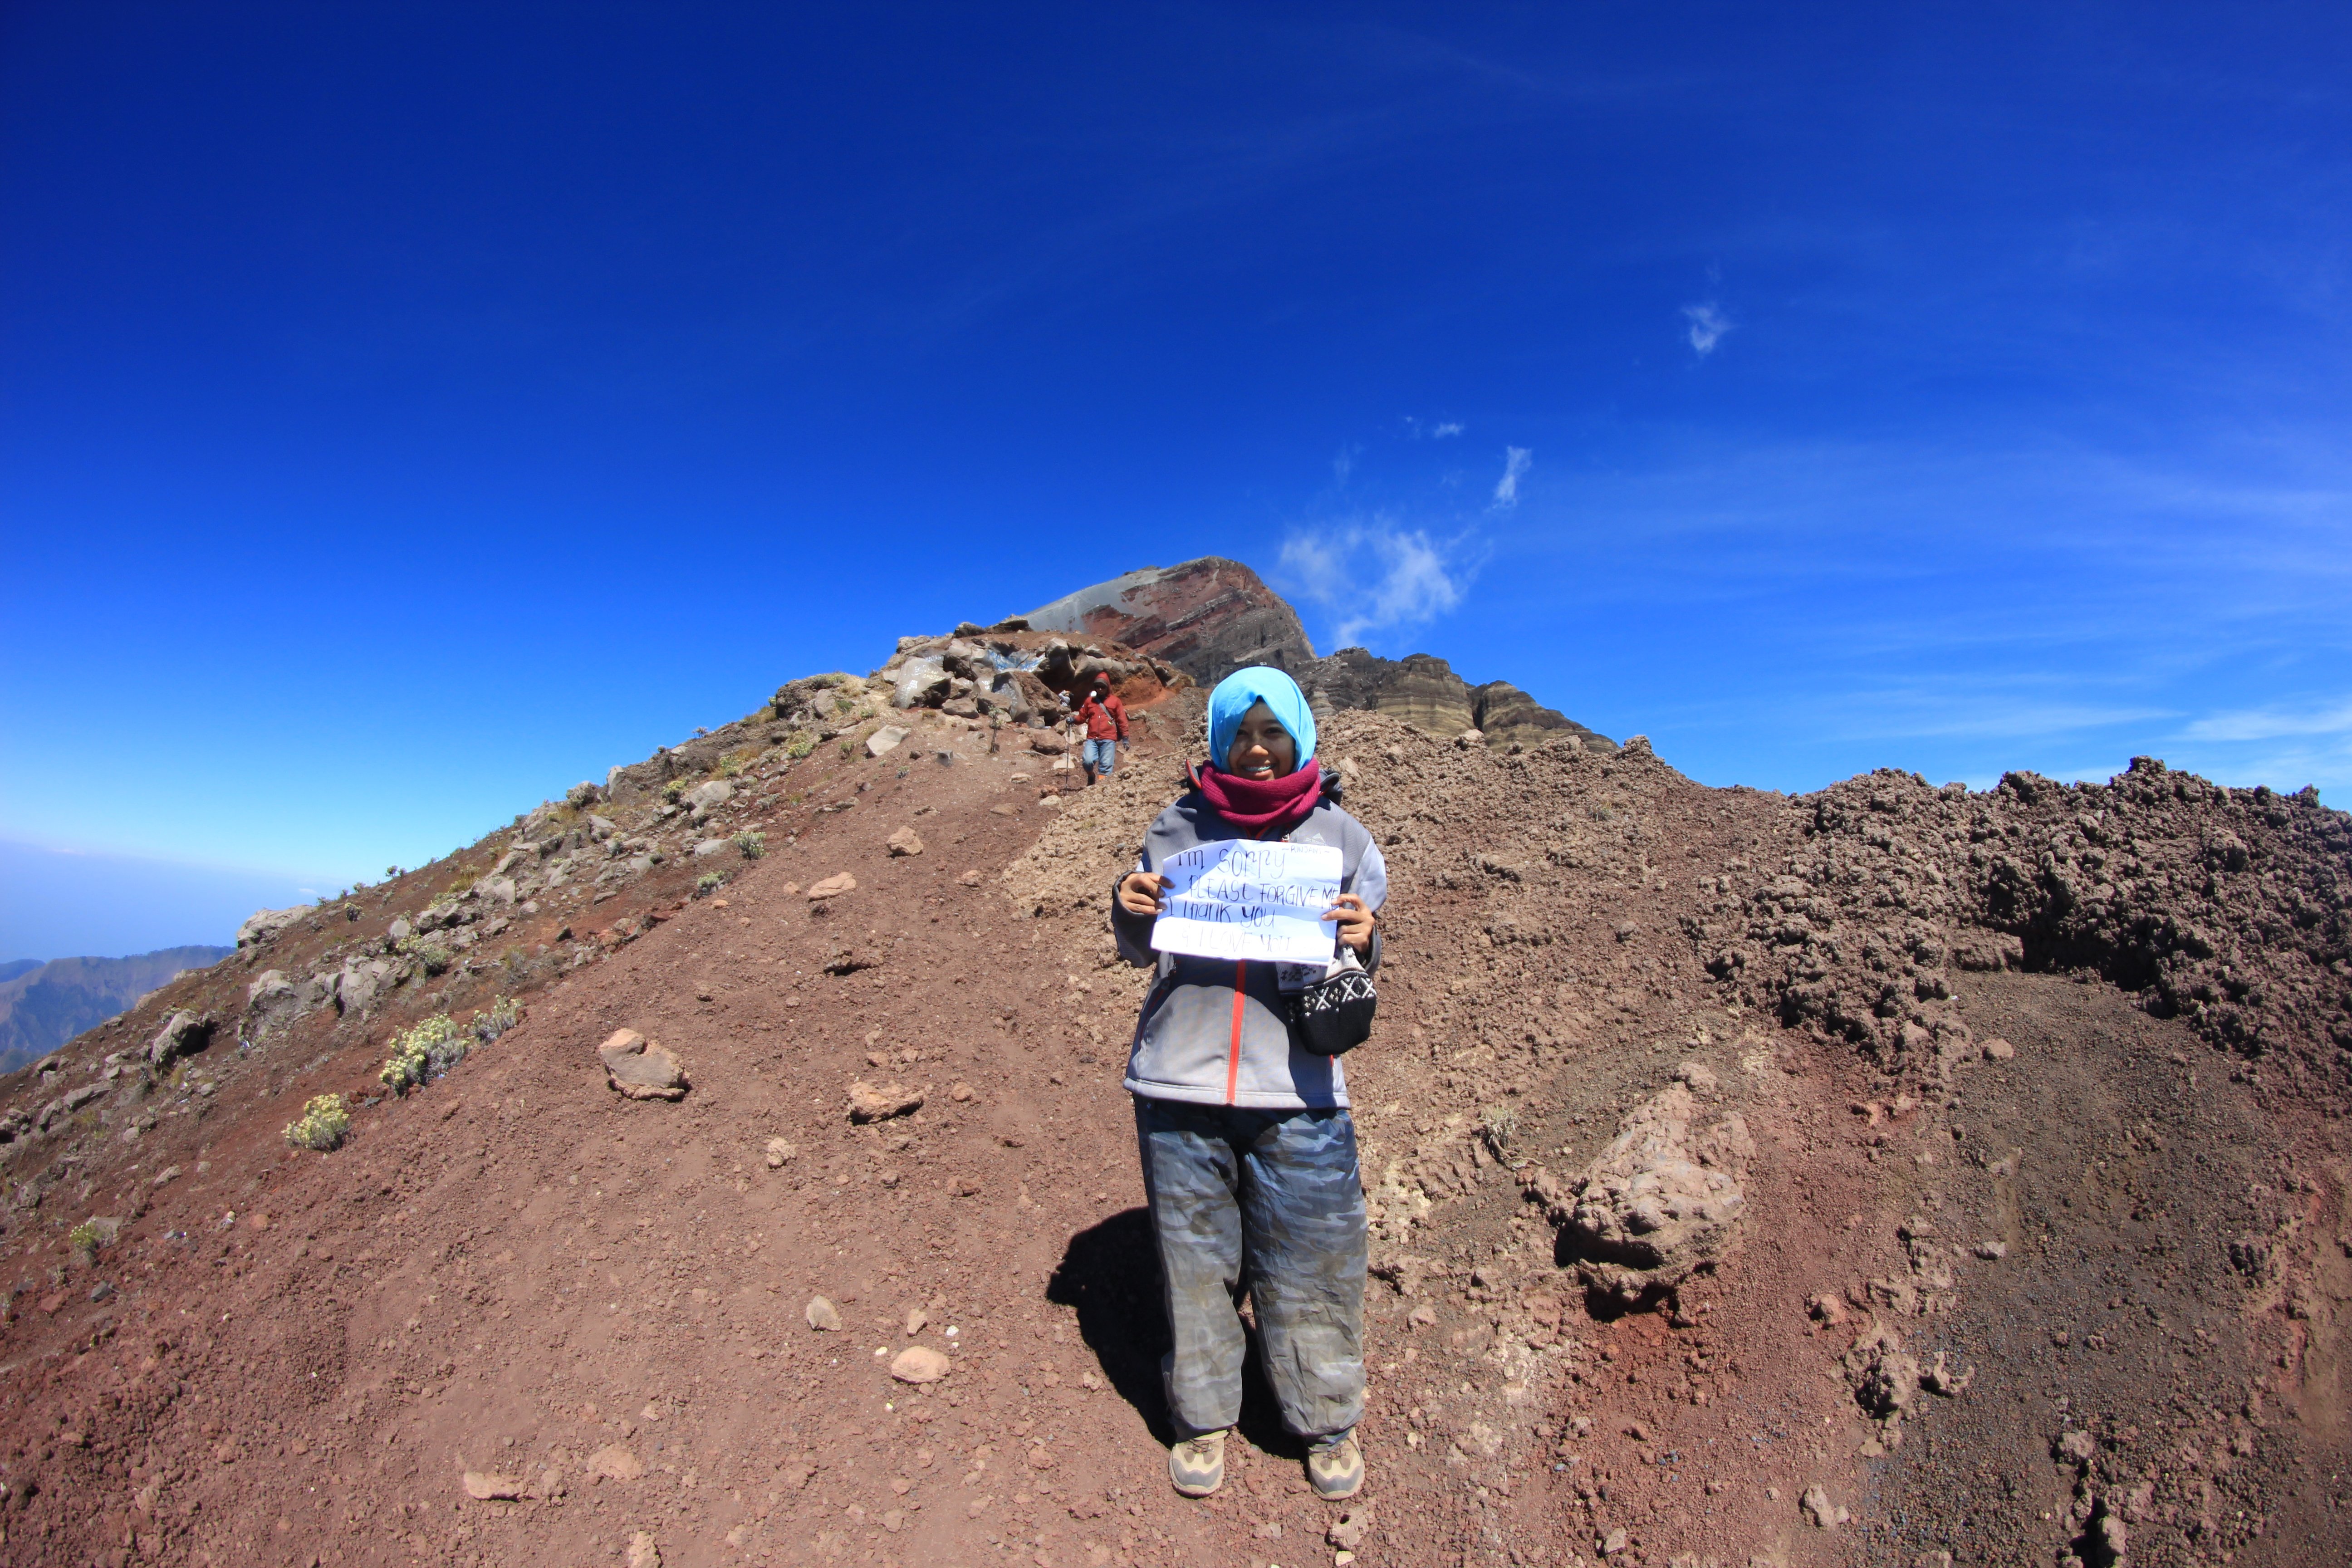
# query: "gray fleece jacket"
{"type": "Point", "coordinates": [1191, 1042]}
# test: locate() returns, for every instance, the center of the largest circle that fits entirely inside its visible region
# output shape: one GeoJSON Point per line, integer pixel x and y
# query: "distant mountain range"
{"type": "Point", "coordinates": [43, 1005]}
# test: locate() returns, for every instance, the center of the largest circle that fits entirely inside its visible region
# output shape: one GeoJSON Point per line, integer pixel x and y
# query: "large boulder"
{"type": "Point", "coordinates": [182, 1033]}
{"type": "Point", "coordinates": [272, 1002]}
{"type": "Point", "coordinates": [707, 797]}
{"type": "Point", "coordinates": [640, 1068]}
{"type": "Point", "coordinates": [362, 980]}
{"type": "Point", "coordinates": [1661, 1202]}
{"type": "Point", "coordinates": [919, 683]}
{"type": "Point", "coordinates": [263, 924]}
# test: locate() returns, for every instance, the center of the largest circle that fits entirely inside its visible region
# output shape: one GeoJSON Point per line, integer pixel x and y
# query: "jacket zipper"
{"type": "Point", "coordinates": [1233, 1061]}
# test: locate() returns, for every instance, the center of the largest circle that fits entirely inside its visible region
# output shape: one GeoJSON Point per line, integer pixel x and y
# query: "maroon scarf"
{"type": "Point", "coordinates": [1260, 807]}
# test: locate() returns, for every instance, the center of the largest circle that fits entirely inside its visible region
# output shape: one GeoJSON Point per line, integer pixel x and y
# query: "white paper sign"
{"type": "Point", "coordinates": [1239, 898]}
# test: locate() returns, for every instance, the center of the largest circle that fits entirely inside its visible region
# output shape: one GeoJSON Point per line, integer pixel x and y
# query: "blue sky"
{"type": "Point", "coordinates": [408, 410]}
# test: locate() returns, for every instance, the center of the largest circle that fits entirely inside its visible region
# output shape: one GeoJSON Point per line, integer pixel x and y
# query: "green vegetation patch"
{"type": "Point", "coordinates": [325, 1121]}
{"type": "Point", "coordinates": [423, 1052]}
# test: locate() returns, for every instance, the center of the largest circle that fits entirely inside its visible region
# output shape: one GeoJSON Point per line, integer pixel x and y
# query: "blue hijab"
{"type": "Point", "coordinates": [1237, 693]}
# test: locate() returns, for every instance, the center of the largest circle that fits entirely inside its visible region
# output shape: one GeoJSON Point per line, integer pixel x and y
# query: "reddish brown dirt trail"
{"type": "Point", "coordinates": [2126, 1243]}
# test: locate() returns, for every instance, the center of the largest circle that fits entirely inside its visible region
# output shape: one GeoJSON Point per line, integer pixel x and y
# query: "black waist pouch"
{"type": "Point", "coordinates": [1334, 1015]}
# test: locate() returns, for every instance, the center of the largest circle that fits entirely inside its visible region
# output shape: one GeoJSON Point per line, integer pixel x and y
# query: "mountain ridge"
{"type": "Point", "coordinates": [45, 1004]}
{"type": "Point", "coordinates": [2016, 1117]}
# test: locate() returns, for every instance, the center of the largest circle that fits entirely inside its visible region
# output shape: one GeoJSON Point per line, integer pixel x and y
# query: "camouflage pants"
{"type": "Point", "coordinates": [1271, 1202]}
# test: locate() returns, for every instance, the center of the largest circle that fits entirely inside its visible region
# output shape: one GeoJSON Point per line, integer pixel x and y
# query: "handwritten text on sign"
{"type": "Point", "coordinates": [1239, 898]}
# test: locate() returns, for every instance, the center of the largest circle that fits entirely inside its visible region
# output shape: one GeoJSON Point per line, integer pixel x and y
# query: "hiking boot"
{"type": "Point", "coordinates": [1197, 1465]}
{"type": "Point", "coordinates": [1336, 1466]}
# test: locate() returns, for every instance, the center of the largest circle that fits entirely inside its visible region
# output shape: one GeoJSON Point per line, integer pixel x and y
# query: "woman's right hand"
{"type": "Point", "coordinates": [1139, 892]}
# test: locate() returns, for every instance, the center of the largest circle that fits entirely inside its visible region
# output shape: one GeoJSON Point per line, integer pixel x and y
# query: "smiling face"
{"type": "Point", "coordinates": [1262, 748]}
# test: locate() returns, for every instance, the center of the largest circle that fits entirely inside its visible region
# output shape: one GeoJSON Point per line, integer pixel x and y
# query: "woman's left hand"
{"type": "Point", "coordinates": [1354, 920]}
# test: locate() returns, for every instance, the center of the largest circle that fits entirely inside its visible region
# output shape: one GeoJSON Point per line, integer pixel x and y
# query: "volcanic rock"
{"type": "Point", "coordinates": [1207, 617]}
{"type": "Point", "coordinates": [919, 1363]}
{"type": "Point", "coordinates": [616, 1463]}
{"type": "Point", "coordinates": [870, 1103]}
{"type": "Point", "coordinates": [833, 887]}
{"type": "Point", "coordinates": [1660, 1202]}
{"type": "Point", "coordinates": [183, 1033]}
{"type": "Point", "coordinates": [906, 841]}
{"type": "Point", "coordinates": [263, 924]}
{"type": "Point", "coordinates": [640, 1068]}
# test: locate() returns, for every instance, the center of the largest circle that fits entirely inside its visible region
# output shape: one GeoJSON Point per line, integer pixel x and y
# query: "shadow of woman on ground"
{"type": "Point", "coordinates": [1110, 1274]}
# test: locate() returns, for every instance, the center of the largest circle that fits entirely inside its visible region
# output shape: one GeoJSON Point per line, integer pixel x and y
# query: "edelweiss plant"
{"type": "Point", "coordinates": [324, 1122]}
{"type": "Point", "coordinates": [500, 1016]}
{"type": "Point", "coordinates": [425, 1051]}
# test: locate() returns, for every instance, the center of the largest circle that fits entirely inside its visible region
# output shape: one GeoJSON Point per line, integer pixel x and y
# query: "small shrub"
{"type": "Point", "coordinates": [422, 1053]}
{"type": "Point", "coordinates": [800, 745]}
{"type": "Point", "coordinates": [324, 1122]}
{"type": "Point", "coordinates": [708, 883]}
{"type": "Point", "coordinates": [430, 955]}
{"type": "Point", "coordinates": [500, 1016]}
{"type": "Point", "coordinates": [849, 745]}
{"type": "Point", "coordinates": [86, 1238]}
{"type": "Point", "coordinates": [458, 887]}
{"type": "Point", "coordinates": [753, 842]}
{"type": "Point", "coordinates": [675, 787]}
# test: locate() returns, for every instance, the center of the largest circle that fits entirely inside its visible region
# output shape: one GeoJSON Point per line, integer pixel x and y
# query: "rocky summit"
{"type": "Point", "coordinates": [1211, 617]}
{"type": "Point", "coordinates": [726, 1162]}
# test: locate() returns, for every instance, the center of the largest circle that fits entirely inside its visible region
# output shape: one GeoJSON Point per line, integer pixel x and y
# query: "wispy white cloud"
{"type": "Point", "coordinates": [1517, 461]}
{"type": "Point", "coordinates": [1344, 464]}
{"type": "Point", "coordinates": [1446, 428]}
{"type": "Point", "coordinates": [1443, 429]}
{"type": "Point", "coordinates": [1376, 576]}
{"type": "Point", "coordinates": [2272, 723]}
{"type": "Point", "coordinates": [1705, 324]}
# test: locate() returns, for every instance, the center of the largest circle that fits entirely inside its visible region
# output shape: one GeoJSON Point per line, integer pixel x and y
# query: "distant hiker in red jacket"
{"type": "Point", "coordinates": [1105, 717]}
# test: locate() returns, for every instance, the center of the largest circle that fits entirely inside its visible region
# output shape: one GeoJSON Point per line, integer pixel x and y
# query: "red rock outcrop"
{"type": "Point", "coordinates": [1207, 617]}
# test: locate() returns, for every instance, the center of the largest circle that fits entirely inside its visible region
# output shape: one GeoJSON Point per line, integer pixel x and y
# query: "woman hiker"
{"type": "Point", "coordinates": [1249, 1154]}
